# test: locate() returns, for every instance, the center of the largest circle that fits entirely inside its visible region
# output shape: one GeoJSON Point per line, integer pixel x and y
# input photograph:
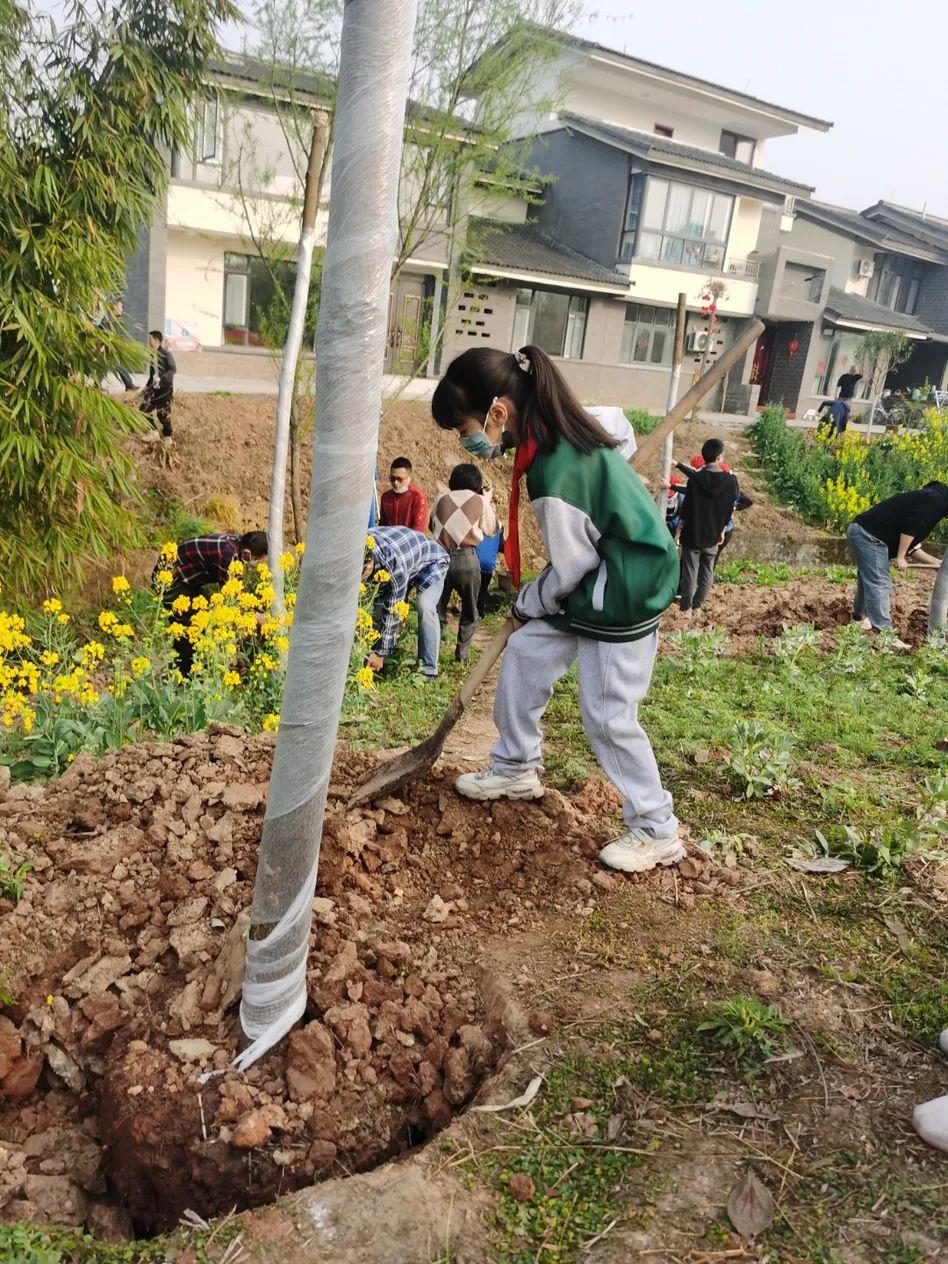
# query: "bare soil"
{"type": "Point", "coordinates": [747, 612]}
{"type": "Point", "coordinates": [125, 958]}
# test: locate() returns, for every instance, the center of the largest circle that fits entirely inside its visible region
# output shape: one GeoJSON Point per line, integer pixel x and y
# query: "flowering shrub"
{"type": "Point", "coordinates": [69, 685]}
{"type": "Point", "coordinates": [831, 479]}
{"type": "Point", "coordinates": [61, 693]}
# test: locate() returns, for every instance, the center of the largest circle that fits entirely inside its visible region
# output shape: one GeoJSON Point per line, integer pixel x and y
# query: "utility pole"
{"type": "Point", "coordinates": [677, 357]}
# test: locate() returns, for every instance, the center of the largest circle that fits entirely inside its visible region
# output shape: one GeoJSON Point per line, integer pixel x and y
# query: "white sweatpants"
{"type": "Point", "coordinates": [613, 679]}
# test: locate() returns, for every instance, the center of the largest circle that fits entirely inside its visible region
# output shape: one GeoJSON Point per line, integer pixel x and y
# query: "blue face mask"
{"type": "Point", "coordinates": [477, 444]}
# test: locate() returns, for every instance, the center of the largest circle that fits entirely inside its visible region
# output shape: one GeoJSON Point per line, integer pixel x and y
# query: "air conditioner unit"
{"type": "Point", "coordinates": [866, 267]}
{"type": "Point", "coordinates": [698, 340]}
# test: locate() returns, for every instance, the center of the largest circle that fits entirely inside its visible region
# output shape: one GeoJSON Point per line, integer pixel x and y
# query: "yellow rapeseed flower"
{"type": "Point", "coordinates": [271, 723]}
{"type": "Point", "coordinates": [169, 551]}
{"type": "Point", "coordinates": [120, 585]}
{"type": "Point", "coordinates": [401, 609]}
{"type": "Point", "coordinates": [181, 604]}
{"type": "Point", "coordinates": [49, 658]}
{"type": "Point", "coordinates": [382, 577]}
{"type": "Point", "coordinates": [231, 679]}
{"type": "Point", "coordinates": [365, 678]}
{"type": "Point", "coordinates": [285, 562]}
{"type": "Point", "coordinates": [164, 578]}
{"type": "Point", "coordinates": [52, 606]}
{"type": "Point", "coordinates": [236, 568]}
{"type": "Point", "coordinates": [300, 548]}
{"type": "Point", "coordinates": [140, 665]}
{"type": "Point", "coordinates": [62, 618]}
{"type": "Point", "coordinates": [199, 602]}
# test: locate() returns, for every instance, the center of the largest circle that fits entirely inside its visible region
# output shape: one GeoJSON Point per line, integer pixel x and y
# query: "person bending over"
{"type": "Point", "coordinates": [402, 559]}
{"type": "Point", "coordinates": [461, 518]}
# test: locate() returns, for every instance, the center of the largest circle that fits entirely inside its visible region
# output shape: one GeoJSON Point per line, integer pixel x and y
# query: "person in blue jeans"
{"type": "Point", "coordinates": [894, 529]}
{"type": "Point", "coordinates": [487, 552]}
{"type": "Point", "coordinates": [402, 559]}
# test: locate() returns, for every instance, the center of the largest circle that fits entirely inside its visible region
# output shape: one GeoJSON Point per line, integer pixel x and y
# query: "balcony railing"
{"type": "Point", "coordinates": [748, 268]}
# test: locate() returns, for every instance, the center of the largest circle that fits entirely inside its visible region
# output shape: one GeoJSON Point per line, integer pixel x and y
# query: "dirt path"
{"type": "Point", "coordinates": [471, 741]}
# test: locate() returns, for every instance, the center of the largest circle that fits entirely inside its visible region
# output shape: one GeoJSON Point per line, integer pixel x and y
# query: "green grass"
{"type": "Point", "coordinates": [641, 420]}
{"type": "Point", "coordinates": [28, 1244]}
{"type": "Point", "coordinates": [579, 1175]}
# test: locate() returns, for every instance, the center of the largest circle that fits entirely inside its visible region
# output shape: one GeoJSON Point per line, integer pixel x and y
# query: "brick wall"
{"type": "Point", "coordinates": [786, 379]}
{"type": "Point", "coordinates": [932, 306]}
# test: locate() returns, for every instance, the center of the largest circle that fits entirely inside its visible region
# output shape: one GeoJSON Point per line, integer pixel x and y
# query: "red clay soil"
{"type": "Point", "coordinates": [125, 958]}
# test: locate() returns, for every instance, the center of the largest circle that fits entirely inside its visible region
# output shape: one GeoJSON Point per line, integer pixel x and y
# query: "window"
{"type": "Point", "coordinates": [675, 222]}
{"type": "Point", "coordinates": [740, 148]}
{"type": "Point", "coordinates": [208, 146]}
{"type": "Point", "coordinates": [841, 359]}
{"type": "Point", "coordinates": [660, 129]}
{"type": "Point", "coordinates": [257, 297]}
{"type": "Point", "coordinates": [647, 335]}
{"type": "Point", "coordinates": [896, 283]}
{"type": "Point", "coordinates": [555, 322]}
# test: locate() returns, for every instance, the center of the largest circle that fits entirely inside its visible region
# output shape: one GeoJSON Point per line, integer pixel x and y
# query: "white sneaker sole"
{"type": "Point", "coordinates": [631, 866]}
{"type": "Point", "coordinates": [483, 796]}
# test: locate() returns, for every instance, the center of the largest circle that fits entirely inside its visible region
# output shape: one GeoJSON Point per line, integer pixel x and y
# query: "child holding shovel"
{"type": "Point", "coordinates": [613, 571]}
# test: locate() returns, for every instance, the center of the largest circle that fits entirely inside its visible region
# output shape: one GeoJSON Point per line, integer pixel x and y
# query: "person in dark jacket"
{"type": "Point", "coordinates": [894, 529]}
{"type": "Point", "coordinates": [159, 389]}
{"type": "Point", "coordinates": [708, 507]}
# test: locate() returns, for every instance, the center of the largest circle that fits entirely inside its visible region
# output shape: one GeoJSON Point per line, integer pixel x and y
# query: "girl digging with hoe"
{"type": "Point", "coordinates": [613, 571]}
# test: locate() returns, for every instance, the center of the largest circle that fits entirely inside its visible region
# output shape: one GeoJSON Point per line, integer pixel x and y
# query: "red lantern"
{"type": "Point", "coordinates": [793, 346]}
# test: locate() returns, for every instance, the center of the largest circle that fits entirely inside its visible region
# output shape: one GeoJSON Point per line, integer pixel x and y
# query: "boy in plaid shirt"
{"type": "Point", "coordinates": [407, 559]}
{"type": "Point", "coordinates": [461, 518]}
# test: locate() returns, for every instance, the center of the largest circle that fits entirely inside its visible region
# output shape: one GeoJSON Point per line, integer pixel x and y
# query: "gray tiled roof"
{"type": "Point", "coordinates": [885, 236]}
{"type": "Point", "coordinates": [929, 230]}
{"type": "Point", "coordinates": [659, 146]}
{"type": "Point", "coordinates": [523, 248]}
{"type": "Point", "coordinates": [856, 308]}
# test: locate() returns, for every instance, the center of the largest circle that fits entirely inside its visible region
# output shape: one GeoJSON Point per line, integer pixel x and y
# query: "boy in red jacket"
{"type": "Point", "coordinates": [403, 505]}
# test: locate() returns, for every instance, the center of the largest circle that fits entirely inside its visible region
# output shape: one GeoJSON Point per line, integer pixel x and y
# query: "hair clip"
{"type": "Point", "coordinates": [523, 361]}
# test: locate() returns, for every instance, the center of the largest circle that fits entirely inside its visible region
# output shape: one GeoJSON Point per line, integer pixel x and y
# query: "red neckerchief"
{"type": "Point", "coordinates": [526, 451]}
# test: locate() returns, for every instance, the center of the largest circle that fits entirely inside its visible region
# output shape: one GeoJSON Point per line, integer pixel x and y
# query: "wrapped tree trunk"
{"type": "Point", "coordinates": [350, 346]}
{"type": "Point", "coordinates": [291, 353]}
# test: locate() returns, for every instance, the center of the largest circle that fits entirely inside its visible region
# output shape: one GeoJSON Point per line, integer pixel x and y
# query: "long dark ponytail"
{"type": "Point", "coordinates": [546, 407]}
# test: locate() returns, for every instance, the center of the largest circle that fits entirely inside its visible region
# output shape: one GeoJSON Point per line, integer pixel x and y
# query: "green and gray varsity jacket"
{"type": "Point", "coordinates": [613, 567]}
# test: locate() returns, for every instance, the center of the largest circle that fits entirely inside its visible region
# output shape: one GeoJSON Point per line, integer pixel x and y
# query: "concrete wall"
{"type": "Point", "coordinates": [497, 204]}
{"type": "Point", "coordinates": [215, 211]}
{"type": "Point", "coordinates": [818, 240]}
{"type": "Point", "coordinates": [145, 282]}
{"type": "Point", "coordinates": [195, 283]}
{"type": "Point", "coordinates": [662, 283]}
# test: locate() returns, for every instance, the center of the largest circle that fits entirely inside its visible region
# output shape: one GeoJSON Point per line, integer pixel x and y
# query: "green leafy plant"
{"type": "Point", "coordinates": [746, 1030]}
{"type": "Point", "coordinates": [760, 760]}
{"type": "Point", "coordinates": [12, 877]}
{"type": "Point", "coordinates": [792, 643]}
{"type": "Point", "coordinates": [641, 420]}
{"type": "Point", "coordinates": [699, 650]}
{"type": "Point", "coordinates": [851, 656]}
{"type": "Point", "coordinates": [878, 852]}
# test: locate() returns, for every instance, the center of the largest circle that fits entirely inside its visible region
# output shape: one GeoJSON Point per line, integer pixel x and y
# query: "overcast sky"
{"type": "Point", "coordinates": [875, 69]}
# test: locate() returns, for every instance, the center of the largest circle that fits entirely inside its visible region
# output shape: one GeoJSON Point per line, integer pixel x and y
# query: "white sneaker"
{"type": "Point", "coordinates": [862, 624]}
{"type": "Point", "coordinates": [931, 1122]}
{"type": "Point", "coordinates": [637, 851]}
{"type": "Point", "coordinates": [488, 784]}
